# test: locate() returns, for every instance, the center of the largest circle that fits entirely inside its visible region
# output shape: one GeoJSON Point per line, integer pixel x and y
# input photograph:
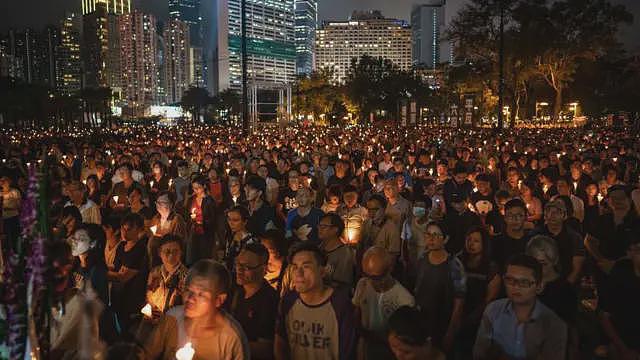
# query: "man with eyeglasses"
{"type": "Point", "coordinates": [515, 237]}
{"type": "Point", "coordinates": [254, 303]}
{"type": "Point", "coordinates": [376, 297]}
{"type": "Point", "coordinates": [520, 326]}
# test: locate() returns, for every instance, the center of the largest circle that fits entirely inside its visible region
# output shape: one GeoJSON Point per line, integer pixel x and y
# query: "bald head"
{"type": "Point", "coordinates": [376, 261]}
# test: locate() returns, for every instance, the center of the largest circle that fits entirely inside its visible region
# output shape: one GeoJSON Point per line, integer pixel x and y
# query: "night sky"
{"type": "Point", "coordinates": [36, 13]}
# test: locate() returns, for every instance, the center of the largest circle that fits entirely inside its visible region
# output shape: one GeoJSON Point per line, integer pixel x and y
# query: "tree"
{"type": "Point", "coordinates": [315, 94]}
{"type": "Point", "coordinates": [194, 100]}
{"type": "Point", "coordinates": [366, 84]}
{"type": "Point", "coordinates": [227, 103]}
{"type": "Point", "coordinates": [577, 30]}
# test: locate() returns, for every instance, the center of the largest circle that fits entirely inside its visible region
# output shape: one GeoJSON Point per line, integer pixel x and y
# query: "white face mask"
{"type": "Point", "coordinates": [419, 211]}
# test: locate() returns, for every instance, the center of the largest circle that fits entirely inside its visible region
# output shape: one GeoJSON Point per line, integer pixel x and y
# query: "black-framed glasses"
{"type": "Point", "coordinates": [521, 283]}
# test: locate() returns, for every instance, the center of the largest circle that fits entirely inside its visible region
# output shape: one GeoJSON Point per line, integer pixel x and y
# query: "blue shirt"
{"type": "Point", "coordinates": [543, 336]}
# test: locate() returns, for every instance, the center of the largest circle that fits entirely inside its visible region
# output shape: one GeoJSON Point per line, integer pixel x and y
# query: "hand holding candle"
{"type": "Point", "coordinates": [186, 352]}
{"type": "Point", "coordinates": [146, 311]}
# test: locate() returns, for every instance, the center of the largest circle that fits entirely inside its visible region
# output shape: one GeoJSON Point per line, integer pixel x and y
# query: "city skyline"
{"type": "Point", "coordinates": [54, 12]}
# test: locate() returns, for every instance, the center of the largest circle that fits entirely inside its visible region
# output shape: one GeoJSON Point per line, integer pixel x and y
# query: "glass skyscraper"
{"type": "Point", "coordinates": [306, 12]}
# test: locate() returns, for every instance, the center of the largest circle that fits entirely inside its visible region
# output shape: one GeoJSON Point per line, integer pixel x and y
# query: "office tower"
{"type": "Point", "coordinates": [101, 46]}
{"type": "Point", "coordinates": [139, 62]}
{"type": "Point", "coordinates": [428, 24]}
{"type": "Point", "coordinates": [271, 50]}
{"type": "Point", "coordinates": [69, 65]}
{"type": "Point", "coordinates": [48, 54]}
{"type": "Point", "coordinates": [306, 12]}
{"type": "Point", "coordinates": [117, 7]}
{"type": "Point", "coordinates": [176, 60]}
{"type": "Point", "coordinates": [189, 12]}
{"type": "Point", "coordinates": [337, 42]}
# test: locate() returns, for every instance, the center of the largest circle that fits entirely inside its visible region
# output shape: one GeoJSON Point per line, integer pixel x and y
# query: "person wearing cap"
{"type": "Point", "coordinates": [89, 268]}
{"type": "Point", "coordinates": [165, 221]}
{"type": "Point", "coordinates": [570, 245]}
{"type": "Point", "coordinates": [262, 215]}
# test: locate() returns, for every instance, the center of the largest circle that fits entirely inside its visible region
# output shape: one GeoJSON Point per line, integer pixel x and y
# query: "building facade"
{"type": "Point", "coordinates": [428, 24]}
{"type": "Point", "coordinates": [306, 12]}
{"type": "Point", "coordinates": [118, 7]}
{"type": "Point", "coordinates": [189, 12]}
{"type": "Point", "coordinates": [271, 46]}
{"type": "Point", "coordinates": [139, 60]}
{"type": "Point", "coordinates": [176, 56]}
{"type": "Point", "coordinates": [337, 42]}
{"type": "Point", "coordinates": [69, 63]}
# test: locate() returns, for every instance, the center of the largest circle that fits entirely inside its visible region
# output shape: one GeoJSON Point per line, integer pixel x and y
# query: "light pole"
{"type": "Point", "coordinates": [245, 97]}
{"type": "Point", "coordinates": [501, 64]}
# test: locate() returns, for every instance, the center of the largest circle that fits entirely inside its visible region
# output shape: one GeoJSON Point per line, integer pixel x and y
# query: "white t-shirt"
{"type": "Point", "coordinates": [376, 308]}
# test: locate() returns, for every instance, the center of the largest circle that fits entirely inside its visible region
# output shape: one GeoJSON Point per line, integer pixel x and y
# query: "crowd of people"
{"type": "Point", "coordinates": [364, 242]}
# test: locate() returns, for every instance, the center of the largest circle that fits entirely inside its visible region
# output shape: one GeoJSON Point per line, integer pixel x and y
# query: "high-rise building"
{"type": "Point", "coordinates": [337, 42]}
{"type": "Point", "coordinates": [271, 49]}
{"type": "Point", "coordinates": [139, 61]}
{"type": "Point", "coordinates": [176, 60]}
{"type": "Point", "coordinates": [69, 64]}
{"type": "Point", "coordinates": [189, 12]}
{"type": "Point", "coordinates": [111, 6]}
{"type": "Point", "coordinates": [48, 53]}
{"type": "Point", "coordinates": [306, 12]}
{"type": "Point", "coordinates": [101, 46]}
{"type": "Point", "coordinates": [428, 24]}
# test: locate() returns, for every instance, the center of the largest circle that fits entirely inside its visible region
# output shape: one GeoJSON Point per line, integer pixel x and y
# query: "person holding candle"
{"type": "Point", "coordinates": [165, 221]}
{"type": "Point", "coordinates": [78, 197]}
{"type": "Point", "coordinates": [340, 257]}
{"type": "Point", "coordinates": [254, 303]}
{"type": "Point", "coordinates": [202, 215]}
{"type": "Point", "coordinates": [166, 281]}
{"type": "Point", "coordinates": [329, 330]}
{"type": "Point", "coordinates": [200, 324]}
{"type": "Point", "coordinates": [122, 189]}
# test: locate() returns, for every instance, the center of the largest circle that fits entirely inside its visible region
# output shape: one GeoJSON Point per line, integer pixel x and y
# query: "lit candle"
{"type": "Point", "coordinates": [475, 189]}
{"type": "Point", "coordinates": [146, 310]}
{"type": "Point", "coordinates": [153, 229]}
{"type": "Point", "coordinates": [600, 197]}
{"type": "Point", "coordinates": [186, 352]}
{"type": "Point", "coordinates": [193, 213]}
{"type": "Point", "coordinates": [170, 182]}
{"type": "Point", "coordinates": [84, 182]}
{"type": "Point", "coordinates": [575, 186]}
{"type": "Point", "coordinates": [430, 172]}
{"type": "Point", "coordinates": [115, 199]}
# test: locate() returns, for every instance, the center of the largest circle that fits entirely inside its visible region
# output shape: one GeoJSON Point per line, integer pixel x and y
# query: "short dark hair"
{"type": "Point", "coordinates": [259, 250]}
{"type": "Point", "coordinates": [460, 169]}
{"type": "Point", "coordinates": [403, 324]}
{"type": "Point", "coordinates": [169, 238]}
{"type": "Point", "coordinates": [301, 246]}
{"type": "Point", "coordinates": [336, 221]}
{"type": "Point", "coordinates": [134, 220]}
{"type": "Point", "coordinates": [279, 242]}
{"type": "Point", "coordinates": [515, 203]}
{"type": "Point", "coordinates": [243, 211]}
{"type": "Point", "coordinates": [379, 198]}
{"type": "Point", "coordinates": [502, 194]}
{"type": "Point", "coordinates": [528, 262]}
{"type": "Point", "coordinates": [211, 270]}
{"type": "Point", "coordinates": [72, 211]}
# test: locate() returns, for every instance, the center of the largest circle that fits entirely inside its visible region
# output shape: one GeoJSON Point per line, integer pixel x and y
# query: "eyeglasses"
{"type": "Point", "coordinates": [521, 283]}
{"type": "Point", "coordinates": [245, 267]}
{"type": "Point", "coordinates": [324, 226]}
